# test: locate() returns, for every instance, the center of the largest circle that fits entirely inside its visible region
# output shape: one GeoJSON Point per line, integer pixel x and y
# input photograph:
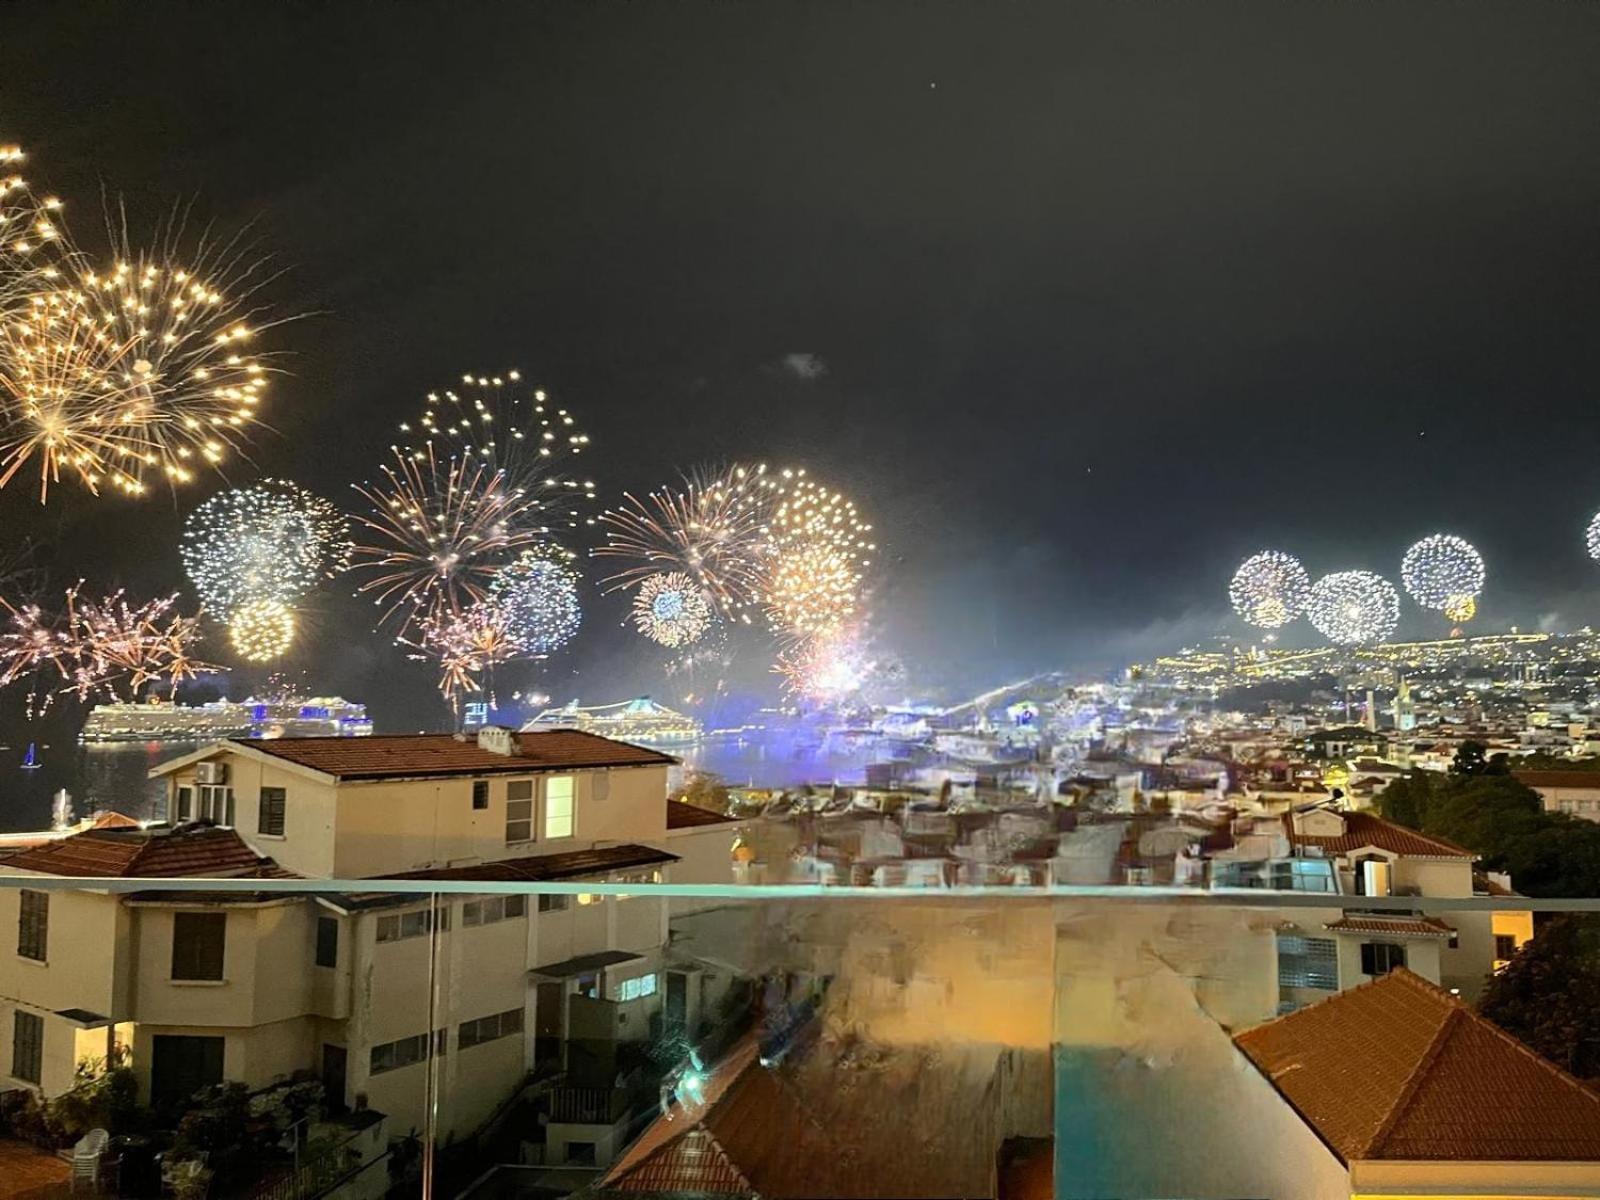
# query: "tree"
{"type": "Point", "coordinates": [1471, 759]}
{"type": "Point", "coordinates": [1548, 997]}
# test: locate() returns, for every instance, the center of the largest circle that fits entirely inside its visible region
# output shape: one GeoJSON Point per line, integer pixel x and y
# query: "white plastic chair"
{"type": "Point", "coordinates": [86, 1156]}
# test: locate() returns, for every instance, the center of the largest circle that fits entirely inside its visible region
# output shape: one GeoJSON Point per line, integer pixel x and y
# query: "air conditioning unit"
{"type": "Point", "coordinates": [211, 772]}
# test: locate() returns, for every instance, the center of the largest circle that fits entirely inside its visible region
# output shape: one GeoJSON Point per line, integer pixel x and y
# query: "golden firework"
{"type": "Point", "coordinates": [262, 630]}
{"type": "Point", "coordinates": [1461, 609]}
{"type": "Point", "coordinates": [819, 552]}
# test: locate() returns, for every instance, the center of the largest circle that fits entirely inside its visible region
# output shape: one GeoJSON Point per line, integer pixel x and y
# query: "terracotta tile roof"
{"type": "Point", "coordinates": [690, 816]}
{"type": "Point", "coordinates": [1398, 926]}
{"type": "Point", "coordinates": [1400, 1069]}
{"type": "Point", "coordinates": [549, 868]}
{"type": "Point", "coordinates": [1558, 779]}
{"type": "Point", "coordinates": [1363, 829]}
{"type": "Point", "coordinates": [197, 851]}
{"type": "Point", "coordinates": [750, 1136]}
{"type": "Point", "coordinates": [440, 754]}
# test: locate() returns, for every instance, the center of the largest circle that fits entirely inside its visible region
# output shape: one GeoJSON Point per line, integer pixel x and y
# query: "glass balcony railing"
{"type": "Point", "coordinates": [291, 1039]}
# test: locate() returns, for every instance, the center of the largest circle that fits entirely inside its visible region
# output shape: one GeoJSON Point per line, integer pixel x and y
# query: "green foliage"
{"type": "Point", "coordinates": [104, 1095]}
{"type": "Point", "coordinates": [1549, 995]}
{"type": "Point", "coordinates": [1500, 820]}
{"type": "Point", "coordinates": [1544, 761]}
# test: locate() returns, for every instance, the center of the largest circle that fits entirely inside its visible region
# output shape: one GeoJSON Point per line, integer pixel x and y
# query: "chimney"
{"type": "Point", "coordinates": [497, 739]}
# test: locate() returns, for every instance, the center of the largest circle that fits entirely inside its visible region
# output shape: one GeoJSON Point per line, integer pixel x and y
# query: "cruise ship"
{"type": "Point", "coordinates": [642, 721]}
{"type": "Point", "coordinates": [158, 720]}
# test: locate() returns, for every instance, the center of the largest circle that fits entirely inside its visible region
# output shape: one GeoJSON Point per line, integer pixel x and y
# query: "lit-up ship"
{"type": "Point", "coordinates": [158, 720]}
{"type": "Point", "coordinates": [642, 721]}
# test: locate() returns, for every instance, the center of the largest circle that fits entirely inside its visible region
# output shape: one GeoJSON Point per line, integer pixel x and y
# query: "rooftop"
{"type": "Point", "coordinates": [1559, 779]}
{"type": "Point", "coordinates": [160, 852]}
{"type": "Point", "coordinates": [1363, 829]}
{"type": "Point", "coordinates": [691, 816]}
{"type": "Point", "coordinates": [1400, 1069]}
{"type": "Point", "coordinates": [409, 756]}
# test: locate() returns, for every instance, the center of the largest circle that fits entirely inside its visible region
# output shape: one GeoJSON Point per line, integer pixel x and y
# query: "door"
{"type": "Point", "coordinates": [180, 1066]}
{"type": "Point", "coordinates": [547, 1026]}
{"type": "Point", "coordinates": [334, 1059]}
{"type": "Point", "coordinates": [677, 999]}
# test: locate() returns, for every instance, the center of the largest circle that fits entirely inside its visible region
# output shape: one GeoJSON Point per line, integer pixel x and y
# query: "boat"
{"type": "Point", "coordinates": [30, 760]}
{"type": "Point", "coordinates": [641, 720]}
{"type": "Point", "coordinates": [157, 720]}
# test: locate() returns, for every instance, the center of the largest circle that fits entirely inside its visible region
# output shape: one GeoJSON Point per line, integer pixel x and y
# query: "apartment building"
{"type": "Point", "coordinates": [253, 987]}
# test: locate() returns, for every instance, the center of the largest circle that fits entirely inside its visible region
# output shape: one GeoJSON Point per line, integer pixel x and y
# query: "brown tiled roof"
{"type": "Point", "coordinates": [690, 816]}
{"type": "Point", "coordinates": [1558, 779]}
{"type": "Point", "coordinates": [1400, 1069]}
{"type": "Point", "coordinates": [750, 1136]}
{"type": "Point", "coordinates": [197, 851]}
{"type": "Point", "coordinates": [1398, 926]}
{"type": "Point", "coordinates": [441, 754]}
{"type": "Point", "coordinates": [1363, 829]}
{"type": "Point", "coordinates": [549, 868]}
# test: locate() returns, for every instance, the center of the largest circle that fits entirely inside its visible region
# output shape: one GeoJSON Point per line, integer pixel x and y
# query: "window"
{"type": "Point", "coordinates": [327, 942]}
{"type": "Point", "coordinates": [1307, 962]}
{"type": "Point", "coordinates": [198, 942]}
{"type": "Point", "coordinates": [493, 908]}
{"type": "Point", "coordinates": [480, 793]}
{"type": "Point", "coordinates": [637, 988]}
{"type": "Point", "coordinates": [519, 811]}
{"type": "Point", "coordinates": [1505, 946]}
{"type": "Point", "coordinates": [399, 926]}
{"type": "Point", "coordinates": [558, 806]}
{"type": "Point", "coordinates": [1379, 958]}
{"type": "Point", "coordinates": [33, 925]}
{"type": "Point", "coordinates": [27, 1046]}
{"type": "Point", "coordinates": [216, 804]}
{"type": "Point", "coordinates": [600, 785]}
{"type": "Point", "coordinates": [488, 1029]}
{"type": "Point", "coordinates": [270, 818]}
{"type": "Point", "coordinates": [391, 1056]}
{"type": "Point", "coordinates": [548, 903]}
{"type": "Point", "coordinates": [185, 804]}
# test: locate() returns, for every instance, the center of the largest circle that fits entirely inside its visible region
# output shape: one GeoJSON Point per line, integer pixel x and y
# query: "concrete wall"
{"type": "Point", "coordinates": [306, 845]}
{"type": "Point", "coordinates": [86, 932]}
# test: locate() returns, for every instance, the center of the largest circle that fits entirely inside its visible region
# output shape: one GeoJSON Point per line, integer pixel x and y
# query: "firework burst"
{"type": "Point", "coordinates": [670, 609]}
{"type": "Point", "coordinates": [153, 376]}
{"type": "Point", "coordinates": [101, 646]}
{"type": "Point", "coordinates": [818, 552]}
{"type": "Point", "coordinates": [824, 669]}
{"type": "Point", "coordinates": [438, 532]}
{"type": "Point", "coordinates": [538, 594]}
{"type": "Point", "coordinates": [272, 541]}
{"type": "Point", "coordinates": [496, 422]}
{"type": "Point", "coordinates": [33, 245]}
{"type": "Point", "coordinates": [467, 646]}
{"type": "Point", "coordinates": [1442, 571]}
{"type": "Point", "coordinates": [1269, 589]}
{"type": "Point", "coordinates": [712, 529]}
{"type": "Point", "coordinates": [262, 630]}
{"type": "Point", "coordinates": [1352, 607]}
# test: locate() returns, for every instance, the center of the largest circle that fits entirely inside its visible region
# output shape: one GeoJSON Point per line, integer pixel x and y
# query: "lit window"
{"type": "Point", "coordinates": [637, 988]}
{"type": "Point", "coordinates": [558, 806]}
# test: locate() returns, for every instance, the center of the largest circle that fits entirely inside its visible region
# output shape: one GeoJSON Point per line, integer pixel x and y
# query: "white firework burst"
{"type": "Point", "coordinates": [1352, 607]}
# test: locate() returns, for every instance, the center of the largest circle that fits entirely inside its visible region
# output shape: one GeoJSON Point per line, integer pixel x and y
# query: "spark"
{"type": "Point", "coordinates": [1351, 607]}
{"type": "Point", "coordinates": [1269, 589]}
{"type": "Point", "coordinates": [669, 608]}
{"type": "Point", "coordinates": [272, 541]}
{"type": "Point", "coordinates": [262, 630]}
{"type": "Point", "coordinates": [1442, 572]}
{"type": "Point", "coordinates": [819, 552]}
{"type": "Point", "coordinates": [438, 532]}
{"type": "Point", "coordinates": [539, 596]}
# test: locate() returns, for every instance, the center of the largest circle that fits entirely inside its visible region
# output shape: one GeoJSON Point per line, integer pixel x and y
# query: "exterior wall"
{"type": "Point", "coordinates": [87, 932]}
{"type": "Point", "coordinates": [58, 1059]}
{"type": "Point", "coordinates": [1579, 802]}
{"type": "Point", "coordinates": [705, 854]}
{"type": "Point", "coordinates": [392, 826]}
{"type": "Point", "coordinates": [306, 846]}
{"type": "Point", "coordinates": [264, 979]}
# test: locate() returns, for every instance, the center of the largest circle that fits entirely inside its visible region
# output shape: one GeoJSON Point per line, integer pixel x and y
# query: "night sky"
{"type": "Point", "coordinates": [1108, 296]}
